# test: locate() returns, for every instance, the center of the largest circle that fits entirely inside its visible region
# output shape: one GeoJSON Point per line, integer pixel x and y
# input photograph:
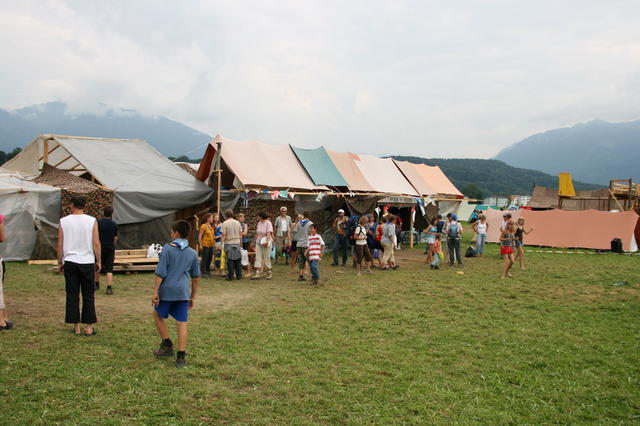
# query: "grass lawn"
{"type": "Point", "coordinates": [555, 344]}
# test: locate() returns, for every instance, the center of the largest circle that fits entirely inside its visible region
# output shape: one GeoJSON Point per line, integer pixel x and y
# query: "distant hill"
{"type": "Point", "coordinates": [21, 126]}
{"type": "Point", "coordinates": [491, 177]}
{"type": "Point", "coordinates": [596, 151]}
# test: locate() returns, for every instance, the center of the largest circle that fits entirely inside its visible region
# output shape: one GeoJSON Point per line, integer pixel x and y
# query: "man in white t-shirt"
{"type": "Point", "coordinates": [282, 230]}
{"type": "Point", "coordinates": [79, 259]}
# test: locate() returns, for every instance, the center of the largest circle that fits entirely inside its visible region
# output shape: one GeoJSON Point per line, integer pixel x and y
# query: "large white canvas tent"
{"type": "Point", "coordinates": [145, 184]}
{"type": "Point", "coordinates": [27, 207]}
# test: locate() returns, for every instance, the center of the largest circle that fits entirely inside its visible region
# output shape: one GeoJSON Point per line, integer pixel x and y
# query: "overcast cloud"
{"type": "Point", "coordinates": [423, 78]}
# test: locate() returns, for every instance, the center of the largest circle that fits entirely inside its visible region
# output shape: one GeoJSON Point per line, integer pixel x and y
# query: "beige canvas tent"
{"type": "Point", "coordinates": [256, 165]}
{"type": "Point", "coordinates": [590, 229]}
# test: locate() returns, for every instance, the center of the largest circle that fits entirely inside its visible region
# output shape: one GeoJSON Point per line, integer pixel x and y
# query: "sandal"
{"type": "Point", "coordinates": [93, 333]}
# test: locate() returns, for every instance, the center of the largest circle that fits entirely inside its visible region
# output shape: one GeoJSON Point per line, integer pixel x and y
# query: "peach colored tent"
{"type": "Point", "coordinates": [259, 165]}
{"type": "Point", "coordinates": [384, 176]}
{"type": "Point", "coordinates": [590, 229]}
{"type": "Point", "coordinates": [345, 162]}
{"type": "Point", "coordinates": [428, 180]}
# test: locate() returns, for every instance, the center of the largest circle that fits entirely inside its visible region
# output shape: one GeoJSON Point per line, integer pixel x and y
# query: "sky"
{"type": "Point", "coordinates": [425, 78]}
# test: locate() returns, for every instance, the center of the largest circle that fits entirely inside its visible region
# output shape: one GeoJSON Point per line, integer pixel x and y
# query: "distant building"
{"type": "Point", "coordinates": [519, 200]}
{"type": "Point", "coordinates": [497, 201]}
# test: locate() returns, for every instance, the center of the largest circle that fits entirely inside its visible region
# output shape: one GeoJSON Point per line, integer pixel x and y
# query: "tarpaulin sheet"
{"type": "Point", "coordinates": [27, 206]}
{"type": "Point", "coordinates": [384, 176]}
{"type": "Point", "coordinates": [345, 162]}
{"type": "Point", "coordinates": [146, 184]}
{"type": "Point", "coordinates": [259, 165]}
{"type": "Point", "coordinates": [428, 180]}
{"type": "Point", "coordinates": [319, 166]}
{"type": "Point", "coordinates": [589, 229]}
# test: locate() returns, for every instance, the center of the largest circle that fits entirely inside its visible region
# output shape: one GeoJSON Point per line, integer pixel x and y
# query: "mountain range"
{"type": "Point", "coordinates": [595, 152]}
{"type": "Point", "coordinates": [19, 127]}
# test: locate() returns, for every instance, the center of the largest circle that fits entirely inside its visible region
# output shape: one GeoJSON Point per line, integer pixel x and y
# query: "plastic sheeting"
{"type": "Point", "coordinates": [383, 175]}
{"type": "Point", "coordinates": [257, 165]}
{"type": "Point", "coordinates": [146, 184]}
{"type": "Point", "coordinates": [465, 210]}
{"type": "Point", "coordinates": [446, 207]}
{"type": "Point", "coordinates": [27, 207]}
{"type": "Point", "coordinates": [319, 166]}
{"type": "Point", "coordinates": [590, 229]}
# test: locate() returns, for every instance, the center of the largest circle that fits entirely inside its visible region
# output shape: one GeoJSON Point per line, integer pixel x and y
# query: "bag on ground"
{"type": "Point", "coordinates": [471, 252]}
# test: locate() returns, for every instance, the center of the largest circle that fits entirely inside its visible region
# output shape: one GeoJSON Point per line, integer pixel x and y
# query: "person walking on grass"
{"type": "Point", "coordinates": [314, 253]}
{"type": "Point", "coordinates": [388, 242]}
{"type": "Point", "coordinates": [283, 230]}
{"type": "Point", "coordinates": [264, 243]}
{"type": "Point", "coordinates": [373, 242]}
{"type": "Point", "coordinates": [207, 243]}
{"type": "Point", "coordinates": [217, 251]}
{"type": "Point", "coordinates": [341, 244]}
{"type": "Point", "coordinates": [453, 230]}
{"type": "Point", "coordinates": [432, 232]}
{"type": "Point", "coordinates": [519, 241]}
{"type": "Point", "coordinates": [231, 239]}
{"type": "Point", "coordinates": [79, 259]}
{"type": "Point", "coordinates": [361, 249]}
{"type": "Point", "coordinates": [294, 243]}
{"type": "Point", "coordinates": [108, 231]}
{"type": "Point", "coordinates": [481, 227]}
{"type": "Point", "coordinates": [177, 266]}
{"type": "Point", "coordinates": [507, 241]}
{"type": "Point", "coordinates": [437, 252]}
{"type": "Point", "coordinates": [5, 324]}
{"type": "Point", "coordinates": [302, 237]}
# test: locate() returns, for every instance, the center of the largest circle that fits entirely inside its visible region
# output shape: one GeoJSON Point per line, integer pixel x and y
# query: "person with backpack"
{"type": "Point", "coordinates": [453, 230]}
{"type": "Point", "coordinates": [340, 228]}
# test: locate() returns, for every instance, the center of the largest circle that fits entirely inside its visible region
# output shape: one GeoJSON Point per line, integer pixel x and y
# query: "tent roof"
{"type": "Point", "coordinates": [65, 180]}
{"type": "Point", "coordinates": [384, 176]}
{"type": "Point", "coordinates": [146, 184]}
{"type": "Point", "coordinates": [319, 166]}
{"type": "Point", "coordinates": [547, 198]}
{"type": "Point", "coordinates": [13, 182]}
{"type": "Point", "coordinates": [258, 165]}
{"type": "Point", "coordinates": [345, 162]}
{"type": "Point", "coordinates": [428, 180]}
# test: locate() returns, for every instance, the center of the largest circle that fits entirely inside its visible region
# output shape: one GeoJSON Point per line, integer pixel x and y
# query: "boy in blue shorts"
{"type": "Point", "coordinates": [177, 266]}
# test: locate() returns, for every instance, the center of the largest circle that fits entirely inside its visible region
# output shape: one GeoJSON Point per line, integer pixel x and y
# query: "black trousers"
{"type": "Point", "coordinates": [79, 278]}
{"type": "Point", "coordinates": [234, 266]}
{"type": "Point", "coordinates": [205, 262]}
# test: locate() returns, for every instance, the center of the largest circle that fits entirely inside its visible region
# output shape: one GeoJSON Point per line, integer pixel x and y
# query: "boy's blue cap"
{"type": "Point", "coordinates": [454, 217]}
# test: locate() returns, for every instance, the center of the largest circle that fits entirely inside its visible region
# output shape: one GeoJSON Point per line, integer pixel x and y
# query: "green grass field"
{"type": "Point", "coordinates": [555, 344]}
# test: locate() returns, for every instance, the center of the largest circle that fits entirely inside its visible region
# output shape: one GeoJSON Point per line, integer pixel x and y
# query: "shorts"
{"type": "Point", "coordinates": [302, 258]}
{"type": "Point", "coordinates": [518, 243]}
{"type": "Point", "coordinates": [178, 309]}
{"type": "Point", "coordinates": [107, 259]}
{"type": "Point", "coordinates": [375, 244]}
{"type": "Point", "coordinates": [506, 250]}
{"type": "Point", "coordinates": [363, 252]}
{"type": "Point", "coordinates": [294, 245]}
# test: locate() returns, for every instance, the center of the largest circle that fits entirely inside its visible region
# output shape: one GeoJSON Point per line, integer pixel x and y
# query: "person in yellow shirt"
{"type": "Point", "coordinates": [207, 244]}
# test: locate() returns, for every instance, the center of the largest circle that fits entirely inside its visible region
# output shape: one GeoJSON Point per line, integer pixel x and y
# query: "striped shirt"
{"type": "Point", "coordinates": [315, 247]}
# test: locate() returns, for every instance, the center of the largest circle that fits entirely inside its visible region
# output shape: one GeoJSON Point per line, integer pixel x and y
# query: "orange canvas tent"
{"type": "Point", "coordinates": [428, 180]}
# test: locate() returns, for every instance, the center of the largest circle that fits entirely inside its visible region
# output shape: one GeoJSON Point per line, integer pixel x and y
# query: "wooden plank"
{"type": "Point", "coordinates": [140, 252]}
{"type": "Point", "coordinates": [118, 260]}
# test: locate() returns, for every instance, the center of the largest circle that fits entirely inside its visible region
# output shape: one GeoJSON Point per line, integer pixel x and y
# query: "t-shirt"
{"type": "Point", "coordinates": [341, 225]}
{"type": "Point", "coordinates": [431, 238]}
{"type": "Point", "coordinates": [282, 225]}
{"type": "Point", "coordinates": [207, 236]}
{"type": "Point", "coordinates": [108, 231]}
{"type": "Point", "coordinates": [302, 233]}
{"type": "Point", "coordinates": [481, 228]}
{"type": "Point", "coordinates": [315, 246]}
{"type": "Point", "coordinates": [388, 231]}
{"type": "Point", "coordinates": [231, 229]}
{"type": "Point", "coordinates": [217, 233]}
{"type": "Point", "coordinates": [453, 229]}
{"type": "Point", "coordinates": [508, 242]}
{"type": "Point", "coordinates": [360, 235]}
{"type": "Point", "coordinates": [77, 238]}
{"type": "Point", "coordinates": [440, 226]}
{"type": "Point", "coordinates": [262, 229]}
{"type": "Point", "coordinates": [176, 267]}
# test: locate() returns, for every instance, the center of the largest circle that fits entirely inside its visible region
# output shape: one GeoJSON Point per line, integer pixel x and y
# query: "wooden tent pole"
{"type": "Point", "coordinates": [218, 174]}
{"type": "Point", "coordinates": [411, 220]}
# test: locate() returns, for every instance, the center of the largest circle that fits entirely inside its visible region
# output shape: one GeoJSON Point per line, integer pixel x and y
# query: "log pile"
{"type": "Point", "coordinates": [72, 185]}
